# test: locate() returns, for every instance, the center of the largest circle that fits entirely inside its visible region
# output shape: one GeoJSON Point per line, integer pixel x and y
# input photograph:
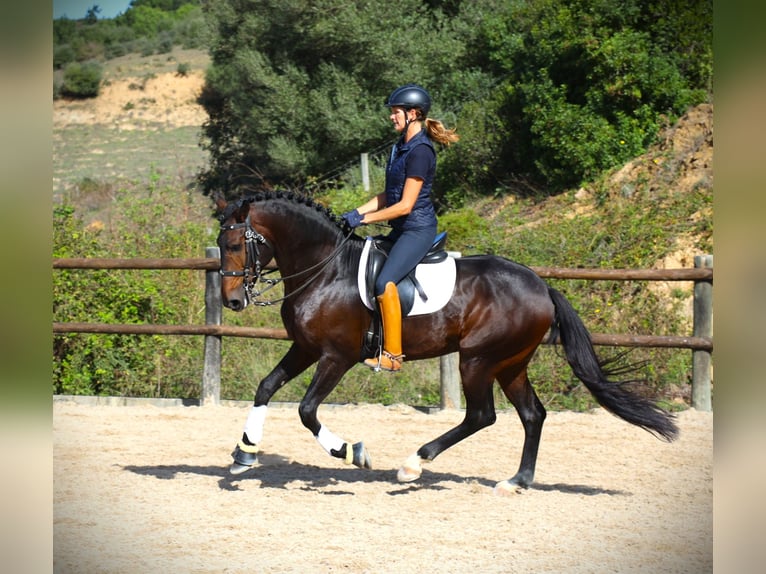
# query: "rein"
{"type": "Point", "coordinates": [253, 272]}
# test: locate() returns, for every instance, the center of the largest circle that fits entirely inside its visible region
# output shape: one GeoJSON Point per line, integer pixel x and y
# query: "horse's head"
{"type": "Point", "coordinates": [244, 253]}
{"type": "Point", "coordinates": [304, 236]}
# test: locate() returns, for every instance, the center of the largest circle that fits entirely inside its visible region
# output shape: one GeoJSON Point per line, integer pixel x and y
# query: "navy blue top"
{"type": "Point", "coordinates": [415, 158]}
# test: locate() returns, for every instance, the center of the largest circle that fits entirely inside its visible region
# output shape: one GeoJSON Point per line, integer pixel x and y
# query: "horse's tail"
{"type": "Point", "coordinates": [614, 396]}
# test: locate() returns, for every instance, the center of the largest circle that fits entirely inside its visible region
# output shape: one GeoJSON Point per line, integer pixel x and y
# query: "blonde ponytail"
{"type": "Point", "coordinates": [440, 134]}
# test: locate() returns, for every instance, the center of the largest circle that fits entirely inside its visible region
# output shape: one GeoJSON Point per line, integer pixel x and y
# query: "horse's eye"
{"type": "Point", "coordinates": [234, 247]}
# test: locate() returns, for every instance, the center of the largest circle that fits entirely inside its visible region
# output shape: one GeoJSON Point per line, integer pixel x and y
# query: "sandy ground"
{"type": "Point", "coordinates": [146, 489]}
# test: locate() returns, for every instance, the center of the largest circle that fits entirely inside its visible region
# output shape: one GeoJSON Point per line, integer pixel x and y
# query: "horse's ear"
{"type": "Point", "coordinates": [220, 202]}
{"type": "Point", "coordinates": [243, 211]}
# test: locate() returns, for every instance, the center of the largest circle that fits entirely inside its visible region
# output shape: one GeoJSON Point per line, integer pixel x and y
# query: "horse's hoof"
{"type": "Point", "coordinates": [410, 470]}
{"type": "Point", "coordinates": [507, 488]}
{"type": "Point", "coordinates": [237, 468]}
{"type": "Point", "coordinates": [245, 457]}
{"type": "Point", "coordinates": [357, 455]}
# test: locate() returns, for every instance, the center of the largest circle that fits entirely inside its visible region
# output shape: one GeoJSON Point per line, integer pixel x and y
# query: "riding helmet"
{"type": "Point", "coordinates": [410, 96]}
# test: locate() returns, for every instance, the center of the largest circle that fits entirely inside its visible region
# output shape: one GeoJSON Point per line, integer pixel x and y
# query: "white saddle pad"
{"type": "Point", "coordinates": [437, 280]}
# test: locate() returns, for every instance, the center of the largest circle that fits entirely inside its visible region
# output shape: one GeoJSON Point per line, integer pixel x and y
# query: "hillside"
{"type": "Point", "coordinates": [132, 152]}
{"type": "Point", "coordinates": [147, 93]}
{"type": "Point", "coordinates": [141, 93]}
{"type": "Point", "coordinates": [681, 161]}
{"type": "Point", "coordinates": [685, 150]}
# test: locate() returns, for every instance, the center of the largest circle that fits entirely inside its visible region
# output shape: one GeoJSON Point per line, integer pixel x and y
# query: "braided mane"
{"type": "Point", "coordinates": [290, 196]}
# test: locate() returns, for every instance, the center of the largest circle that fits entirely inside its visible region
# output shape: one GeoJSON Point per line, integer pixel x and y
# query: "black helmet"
{"type": "Point", "coordinates": [410, 96]}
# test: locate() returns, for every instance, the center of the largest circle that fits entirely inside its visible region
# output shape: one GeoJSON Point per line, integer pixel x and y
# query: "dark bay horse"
{"type": "Point", "coordinates": [498, 315]}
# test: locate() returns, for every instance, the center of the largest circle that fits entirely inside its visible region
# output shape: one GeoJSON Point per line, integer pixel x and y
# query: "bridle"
{"type": "Point", "coordinates": [253, 272]}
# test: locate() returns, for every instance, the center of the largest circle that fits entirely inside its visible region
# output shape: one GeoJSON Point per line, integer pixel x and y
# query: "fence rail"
{"type": "Point", "coordinates": [658, 341]}
{"type": "Point", "coordinates": [700, 342]}
{"type": "Point", "coordinates": [213, 264]}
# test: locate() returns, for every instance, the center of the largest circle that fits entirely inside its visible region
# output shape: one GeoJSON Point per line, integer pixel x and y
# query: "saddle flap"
{"type": "Point", "coordinates": [427, 289]}
{"type": "Point", "coordinates": [376, 257]}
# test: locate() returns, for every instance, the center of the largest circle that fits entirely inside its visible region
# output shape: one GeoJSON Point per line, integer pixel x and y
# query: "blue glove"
{"type": "Point", "coordinates": [353, 218]}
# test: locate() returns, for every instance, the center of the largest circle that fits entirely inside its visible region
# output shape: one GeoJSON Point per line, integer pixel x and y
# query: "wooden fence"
{"type": "Point", "coordinates": [700, 342]}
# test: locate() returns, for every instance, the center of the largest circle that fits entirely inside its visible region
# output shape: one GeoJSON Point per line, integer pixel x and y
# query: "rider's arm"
{"type": "Point", "coordinates": [376, 203]}
{"type": "Point", "coordinates": [412, 187]}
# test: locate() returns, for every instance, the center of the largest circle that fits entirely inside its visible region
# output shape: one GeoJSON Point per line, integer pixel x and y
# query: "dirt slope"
{"type": "Point", "coordinates": [138, 103]}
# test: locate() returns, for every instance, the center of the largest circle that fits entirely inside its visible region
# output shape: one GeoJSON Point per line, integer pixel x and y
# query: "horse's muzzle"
{"type": "Point", "coordinates": [235, 303]}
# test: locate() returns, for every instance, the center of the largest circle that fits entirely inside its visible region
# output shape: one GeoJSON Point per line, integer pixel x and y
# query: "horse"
{"type": "Point", "coordinates": [497, 316]}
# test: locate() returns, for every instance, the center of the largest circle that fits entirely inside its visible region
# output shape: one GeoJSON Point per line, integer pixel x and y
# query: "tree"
{"type": "Point", "coordinates": [586, 84]}
{"type": "Point", "coordinates": [546, 92]}
{"type": "Point", "coordinates": [91, 16]}
{"type": "Point", "coordinates": [296, 88]}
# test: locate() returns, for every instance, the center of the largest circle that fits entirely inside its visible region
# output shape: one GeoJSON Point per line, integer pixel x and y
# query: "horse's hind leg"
{"type": "Point", "coordinates": [520, 392]}
{"type": "Point", "coordinates": [479, 413]}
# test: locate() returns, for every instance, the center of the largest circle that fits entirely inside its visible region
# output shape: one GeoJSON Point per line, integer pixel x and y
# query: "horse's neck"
{"type": "Point", "coordinates": [303, 246]}
{"type": "Point", "coordinates": [299, 256]}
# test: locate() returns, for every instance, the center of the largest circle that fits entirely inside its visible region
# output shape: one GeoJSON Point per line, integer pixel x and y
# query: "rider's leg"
{"type": "Point", "coordinates": [391, 312]}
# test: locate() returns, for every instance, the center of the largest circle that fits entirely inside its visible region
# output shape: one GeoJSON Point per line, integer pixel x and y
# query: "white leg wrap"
{"type": "Point", "coordinates": [328, 440]}
{"type": "Point", "coordinates": [254, 424]}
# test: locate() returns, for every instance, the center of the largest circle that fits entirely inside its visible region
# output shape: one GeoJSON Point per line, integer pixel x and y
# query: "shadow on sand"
{"type": "Point", "coordinates": [277, 472]}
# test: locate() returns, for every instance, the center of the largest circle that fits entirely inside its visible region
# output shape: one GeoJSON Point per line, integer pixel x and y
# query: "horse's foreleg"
{"type": "Point", "coordinates": [479, 413]}
{"type": "Point", "coordinates": [522, 395]}
{"type": "Point", "coordinates": [326, 377]}
{"type": "Point", "coordinates": [245, 453]}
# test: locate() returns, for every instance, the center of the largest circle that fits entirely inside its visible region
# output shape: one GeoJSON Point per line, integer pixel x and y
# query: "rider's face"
{"type": "Point", "coordinates": [399, 117]}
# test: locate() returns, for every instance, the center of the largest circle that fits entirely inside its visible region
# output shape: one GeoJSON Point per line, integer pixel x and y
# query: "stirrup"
{"type": "Point", "coordinates": [393, 363]}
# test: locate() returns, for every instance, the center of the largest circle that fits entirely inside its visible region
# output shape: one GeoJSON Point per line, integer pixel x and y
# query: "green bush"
{"type": "Point", "coordinates": [63, 55]}
{"type": "Point", "coordinates": [82, 80]}
{"type": "Point", "coordinates": [466, 230]}
{"type": "Point", "coordinates": [150, 220]}
{"type": "Point", "coordinates": [165, 43]}
{"type": "Point", "coordinates": [182, 70]}
{"type": "Point", "coordinates": [585, 85]}
{"type": "Point", "coordinates": [117, 49]}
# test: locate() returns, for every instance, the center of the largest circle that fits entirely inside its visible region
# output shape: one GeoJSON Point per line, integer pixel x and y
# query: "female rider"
{"type": "Point", "coordinates": [406, 204]}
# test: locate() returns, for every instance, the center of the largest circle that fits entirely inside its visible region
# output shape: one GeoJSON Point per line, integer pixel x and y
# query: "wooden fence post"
{"type": "Point", "coordinates": [365, 172]}
{"type": "Point", "coordinates": [449, 378]}
{"type": "Point", "coordinates": [703, 327]}
{"type": "Point", "coordinates": [211, 372]}
{"type": "Point", "coordinates": [449, 373]}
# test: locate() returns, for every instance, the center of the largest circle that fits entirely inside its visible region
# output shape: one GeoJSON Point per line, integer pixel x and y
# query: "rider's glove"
{"type": "Point", "coordinates": [353, 218]}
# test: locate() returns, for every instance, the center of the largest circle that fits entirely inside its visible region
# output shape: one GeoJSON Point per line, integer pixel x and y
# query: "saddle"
{"type": "Point", "coordinates": [426, 289]}
{"type": "Point", "coordinates": [379, 250]}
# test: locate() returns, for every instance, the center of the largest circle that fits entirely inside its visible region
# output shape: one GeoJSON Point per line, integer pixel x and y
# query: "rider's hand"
{"type": "Point", "coordinates": [353, 218]}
